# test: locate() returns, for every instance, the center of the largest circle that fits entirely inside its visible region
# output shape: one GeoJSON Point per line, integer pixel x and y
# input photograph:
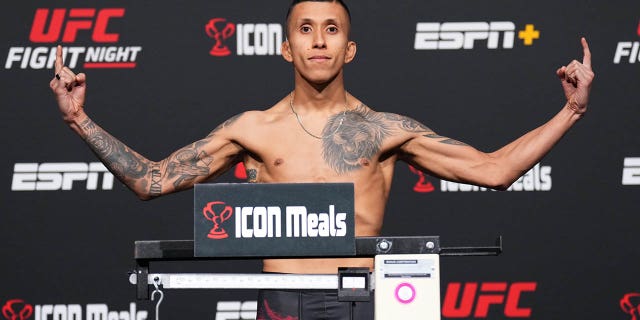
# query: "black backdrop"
{"type": "Point", "coordinates": [576, 239]}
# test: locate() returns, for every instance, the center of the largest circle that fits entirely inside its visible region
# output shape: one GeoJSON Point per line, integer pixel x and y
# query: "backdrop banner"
{"type": "Point", "coordinates": [163, 74]}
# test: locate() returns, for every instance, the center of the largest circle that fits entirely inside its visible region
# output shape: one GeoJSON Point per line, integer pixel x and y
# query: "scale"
{"type": "Point", "coordinates": [311, 220]}
{"type": "Point", "coordinates": [405, 282]}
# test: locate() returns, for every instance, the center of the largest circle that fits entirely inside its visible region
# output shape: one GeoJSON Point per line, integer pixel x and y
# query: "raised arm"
{"type": "Point", "coordinates": [194, 163]}
{"type": "Point", "coordinates": [457, 161]}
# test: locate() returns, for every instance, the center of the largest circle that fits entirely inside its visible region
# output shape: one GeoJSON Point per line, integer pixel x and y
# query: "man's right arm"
{"type": "Point", "coordinates": [197, 162]}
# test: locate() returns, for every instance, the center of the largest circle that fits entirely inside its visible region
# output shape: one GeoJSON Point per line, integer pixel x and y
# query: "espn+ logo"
{"type": "Point", "coordinates": [464, 35]}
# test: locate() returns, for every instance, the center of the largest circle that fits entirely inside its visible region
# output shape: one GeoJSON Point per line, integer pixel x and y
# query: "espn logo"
{"type": "Point", "coordinates": [631, 172]}
{"type": "Point", "coordinates": [463, 35]}
{"type": "Point", "coordinates": [59, 176]}
{"type": "Point", "coordinates": [236, 310]}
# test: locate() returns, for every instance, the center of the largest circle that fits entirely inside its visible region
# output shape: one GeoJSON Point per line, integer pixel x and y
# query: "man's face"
{"type": "Point", "coordinates": [318, 43]}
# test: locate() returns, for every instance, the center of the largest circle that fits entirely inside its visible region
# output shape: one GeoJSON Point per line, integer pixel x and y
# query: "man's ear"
{"type": "Point", "coordinates": [285, 50]}
{"type": "Point", "coordinates": [350, 53]}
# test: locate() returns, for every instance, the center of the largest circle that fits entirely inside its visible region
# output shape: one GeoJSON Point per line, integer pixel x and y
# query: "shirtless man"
{"type": "Point", "coordinates": [323, 134]}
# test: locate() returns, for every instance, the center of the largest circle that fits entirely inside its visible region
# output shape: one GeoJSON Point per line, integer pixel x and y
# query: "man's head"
{"type": "Point", "coordinates": [318, 42]}
{"type": "Point", "coordinates": [295, 2]}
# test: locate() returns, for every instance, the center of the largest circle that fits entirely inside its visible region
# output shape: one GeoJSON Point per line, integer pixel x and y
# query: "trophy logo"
{"type": "Point", "coordinates": [423, 185]}
{"type": "Point", "coordinates": [16, 309]}
{"type": "Point", "coordinates": [225, 212]}
{"type": "Point", "coordinates": [213, 30]}
{"type": "Point", "coordinates": [630, 304]}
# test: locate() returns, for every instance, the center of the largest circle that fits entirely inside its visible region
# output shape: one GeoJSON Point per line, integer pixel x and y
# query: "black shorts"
{"type": "Point", "coordinates": [310, 305]}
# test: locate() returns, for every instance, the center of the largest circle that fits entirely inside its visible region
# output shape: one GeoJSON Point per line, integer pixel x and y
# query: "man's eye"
{"type": "Point", "coordinates": [305, 29]}
{"type": "Point", "coordinates": [332, 29]}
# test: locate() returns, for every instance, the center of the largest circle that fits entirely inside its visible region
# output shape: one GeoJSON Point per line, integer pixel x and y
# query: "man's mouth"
{"type": "Point", "coordinates": [319, 58]}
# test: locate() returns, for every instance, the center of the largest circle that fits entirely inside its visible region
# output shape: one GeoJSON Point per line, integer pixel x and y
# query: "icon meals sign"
{"type": "Point", "coordinates": [274, 220]}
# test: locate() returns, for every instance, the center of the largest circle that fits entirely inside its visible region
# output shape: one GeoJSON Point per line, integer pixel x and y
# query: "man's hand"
{"type": "Point", "coordinates": [68, 88]}
{"type": "Point", "coordinates": [576, 81]}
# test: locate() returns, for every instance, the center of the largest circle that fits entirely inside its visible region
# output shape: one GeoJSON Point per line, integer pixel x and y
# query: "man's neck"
{"type": "Point", "coordinates": [310, 97]}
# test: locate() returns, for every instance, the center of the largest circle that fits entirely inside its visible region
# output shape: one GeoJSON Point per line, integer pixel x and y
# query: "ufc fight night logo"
{"type": "Point", "coordinates": [628, 51]}
{"type": "Point", "coordinates": [64, 176]}
{"type": "Point", "coordinates": [66, 26]}
{"type": "Point", "coordinates": [251, 39]}
{"type": "Point", "coordinates": [465, 35]}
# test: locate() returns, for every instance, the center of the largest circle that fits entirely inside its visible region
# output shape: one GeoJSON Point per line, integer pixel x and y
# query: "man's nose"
{"type": "Point", "coordinates": [319, 40]}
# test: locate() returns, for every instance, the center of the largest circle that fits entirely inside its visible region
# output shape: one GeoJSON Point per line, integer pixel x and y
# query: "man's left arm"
{"type": "Point", "coordinates": [456, 161]}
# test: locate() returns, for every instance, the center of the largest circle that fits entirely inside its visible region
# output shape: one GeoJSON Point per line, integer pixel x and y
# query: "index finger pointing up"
{"type": "Point", "coordinates": [59, 63]}
{"type": "Point", "coordinates": [586, 60]}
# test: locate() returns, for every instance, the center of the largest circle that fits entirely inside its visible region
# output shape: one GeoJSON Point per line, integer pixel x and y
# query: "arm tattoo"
{"type": "Point", "coordinates": [156, 181]}
{"type": "Point", "coordinates": [453, 142]}
{"type": "Point", "coordinates": [358, 140]}
{"type": "Point", "coordinates": [406, 123]}
{"type": "Point", "coordinates": [446, 140]}
{"type": "Point", "coordinates": [188, 163]}
{"type": "Point", "coordinates": [122, 161]}
{"type": "Point", "coordinates": [252, 175]}
{"type": "Point", "coordinates": [226, 123]}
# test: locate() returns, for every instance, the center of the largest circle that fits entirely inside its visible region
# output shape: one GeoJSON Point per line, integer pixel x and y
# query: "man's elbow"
{"type": "Point", "coordinates": [500, 181]}
{"type": "Point", "coordinates": [145, 195]}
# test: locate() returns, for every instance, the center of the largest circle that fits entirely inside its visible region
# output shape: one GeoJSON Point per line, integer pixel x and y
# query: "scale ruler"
{"type": "Point", "coordinates": [242, 281]}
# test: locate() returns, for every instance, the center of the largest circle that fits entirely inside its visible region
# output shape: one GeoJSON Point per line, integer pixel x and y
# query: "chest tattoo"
{"type": "Point", "coordinates": [357, 140]}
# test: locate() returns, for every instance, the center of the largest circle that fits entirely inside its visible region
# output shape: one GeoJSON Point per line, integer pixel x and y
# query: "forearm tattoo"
{"type": "Point", "coordinates": [156, 181]}
{"type": "Point", "coordinates": [182, 167]}
{"type": "Point", "coordinates": [122, 161]}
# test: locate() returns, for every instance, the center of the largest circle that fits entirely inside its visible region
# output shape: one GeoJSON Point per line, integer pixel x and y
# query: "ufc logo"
{"type": "Point", "coordinates": [69, 22]}
{"type": "Point", "coordinates": [491, 293]}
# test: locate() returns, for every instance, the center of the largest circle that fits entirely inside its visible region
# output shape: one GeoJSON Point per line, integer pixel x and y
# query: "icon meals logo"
{"type": "Point", "coordinates": [18, 309]}
{"type": "Point", "coordinates": [217, 232]}
{"type": "Point", "coordinates": [267, 221]}
{"type": "Point", "coordinates": [537, 178]}
{"type": "Point", "coordinates": [252, 39]}
{"type": "Point", "coordinates": [630, 304]}
{"type": "Point", "coordinates": [53, 26]}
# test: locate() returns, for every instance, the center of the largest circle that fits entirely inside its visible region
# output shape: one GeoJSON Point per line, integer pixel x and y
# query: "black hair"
{"type": "Point", "coordinates": [295, 2]}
